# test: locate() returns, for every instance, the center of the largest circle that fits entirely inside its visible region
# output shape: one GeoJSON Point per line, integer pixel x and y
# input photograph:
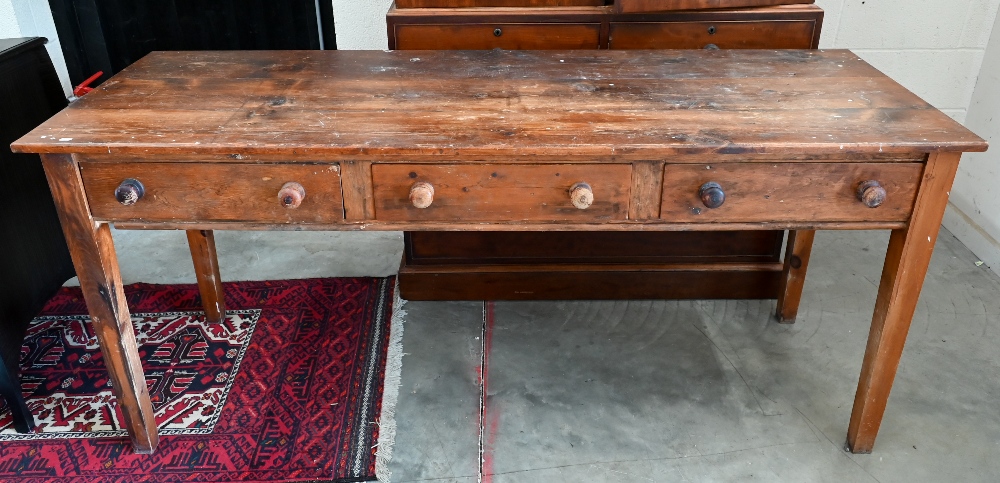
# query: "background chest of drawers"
{"type": "Point", "coordinates": [545, 265]}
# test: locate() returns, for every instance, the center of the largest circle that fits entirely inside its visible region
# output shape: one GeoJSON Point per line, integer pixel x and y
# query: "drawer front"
{"type": "Point", "coordinates": [789, 192]}
{"type": "Point", "coordinates": [215, 192]}
{"type": "Point", "coordinates": [768, 34]}
{"type": "Point", "coordinates": [486, 193]}
{"type": "Point", "coordinates": [485, 36]}
{"type": "Point", "coordinates": [495, 3]}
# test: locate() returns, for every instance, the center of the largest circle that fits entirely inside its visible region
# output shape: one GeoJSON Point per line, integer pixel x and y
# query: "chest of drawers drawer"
{"type": "Point", "coordinates": [597, 27]}
{"type": "Point", "coordinates": [509, 36]}
{"type": "Point", "coordinates": [224, 192]}
{"type": "Point", "coordinates": [789, 192]}
{"type": "Point", "coordinates": [762, 34]}
{"type": "Point", "coordinates": [474, 193]}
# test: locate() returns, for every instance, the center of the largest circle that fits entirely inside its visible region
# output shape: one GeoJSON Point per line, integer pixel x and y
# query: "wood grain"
{"type": "Point", "coordinates": [555, 282]}
{"type": "Point", "coordinates": [793, 274]}
{"type": "Point", "coordinates": [359, 201]}
{"type": "Point", "coordinates": [647, 187]}
{"type": "Point", "coordinates": [788, 192]}
{"type": "Point", "coordinates": [493, 3]}
{"type": "Point", "coordinates": [206, 270]}
{"type": "Point", "coordinates": [518, 225]}
{"type": "Point", "coordinates": [219, 192]}
{"type": "Point", "coordinates": [778, 34]}
{"type": "Point", "coordinates": [906, 262]}
{"type": "Point", "coordinates": [482, 36]}
{"type": "Point", "coordinates": [640, 6]}
{"type": "Point", "coordinates": [569, 248]}
{"type": "Point", "coordinates": [501, 193]}
{"type": "Point", "coordinates": [577, 104]}
{"type": "Point", "coordinates": [93, 253]}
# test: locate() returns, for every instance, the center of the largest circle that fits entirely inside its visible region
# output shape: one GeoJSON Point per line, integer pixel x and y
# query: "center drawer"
{"type": "Point", "coordinates": [224, 192]}
{"type": "Point", "coordinates": [489, 193]}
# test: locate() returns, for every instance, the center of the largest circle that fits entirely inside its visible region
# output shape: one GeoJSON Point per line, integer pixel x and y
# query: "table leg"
{"type": "Point", "coordinates": [96, 263]}
{"type": "Point", "coordinates": [793, 276]}
{"type": "Point", "coordinates": [906, 262]}
{"type": "Point", "coordinates": [10, 389]}
{"type": "Point", "coordinates": [206, 269]}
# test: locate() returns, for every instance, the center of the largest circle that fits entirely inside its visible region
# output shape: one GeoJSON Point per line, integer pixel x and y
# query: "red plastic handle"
{"type": "Point", "coordinates": [84, 86]}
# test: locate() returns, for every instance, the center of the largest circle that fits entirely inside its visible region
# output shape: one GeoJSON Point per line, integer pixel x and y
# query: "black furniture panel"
{"type": "Point", "coordinates": [34, 260]}
{"type": "Point", "coordinates": [109, 35]}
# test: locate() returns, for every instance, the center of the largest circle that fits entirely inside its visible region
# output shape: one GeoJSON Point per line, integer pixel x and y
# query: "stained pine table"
{"type": "Point", "coordinates": [494, 140]}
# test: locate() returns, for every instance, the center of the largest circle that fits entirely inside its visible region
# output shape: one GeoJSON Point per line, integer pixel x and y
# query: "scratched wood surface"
{"type": "Point", "coordinates": [500, 103]}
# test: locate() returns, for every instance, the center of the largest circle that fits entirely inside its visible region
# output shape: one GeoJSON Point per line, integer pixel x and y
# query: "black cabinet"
{"type": "Point", "coordinates": [109, 35]}
{"type": "Point", "coordinates": [34, 260]}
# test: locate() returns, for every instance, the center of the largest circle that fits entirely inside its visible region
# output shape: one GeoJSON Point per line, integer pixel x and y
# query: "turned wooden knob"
{"type": "Point", "coordinates": [871, 193]}
{"type": "Point", "coordinates": [581, 195]}
{"type": "Point", "coordinates": [129, 192]}
{"type": "Point", "coordinates": [421, 194]}
{"type": "Point", "coordinates": [712, 195]}
{"type": "Point", "coordinates": [291, 195]}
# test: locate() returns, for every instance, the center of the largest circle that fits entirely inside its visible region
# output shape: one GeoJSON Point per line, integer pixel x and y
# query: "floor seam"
{"type": "Point", "coordinates": [482, 393]}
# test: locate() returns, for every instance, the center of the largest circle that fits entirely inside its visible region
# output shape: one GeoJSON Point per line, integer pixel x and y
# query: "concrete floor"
{"type": "Point", "coordinates": [668, 391]}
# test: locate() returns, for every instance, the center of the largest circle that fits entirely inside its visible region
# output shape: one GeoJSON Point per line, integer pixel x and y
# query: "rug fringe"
{"type": "Point", "coordinates": [390, 389]}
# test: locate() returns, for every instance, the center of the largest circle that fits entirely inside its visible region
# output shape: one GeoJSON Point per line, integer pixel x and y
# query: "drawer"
{"type": "Point", "coordinates": [789, 192]}
{"type": "Point", "coordinates": [234, 192]}
{"type": "Point", "coordinates": [495, 3]}
{"type": "Point", "coordinates": [510, 36]}
{"type": "Point", "coordinates": [487, 193]}
{"type": "Point", "coordinates": [765, 34]}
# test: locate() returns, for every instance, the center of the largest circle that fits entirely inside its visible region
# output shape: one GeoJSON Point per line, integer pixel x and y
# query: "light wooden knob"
{"type": "Point", "coordinates": [712, 194]}
{"type": "Point", "coordinates": [129, 192]}
{"type": "Point", "coordinates": [291, 195]}
{"type": "Point", "coordinates": [422, 194]}
{"type": "Point", "coordinates": [871, 193]}
{"type": "Point", "coordinates": [581, 195]}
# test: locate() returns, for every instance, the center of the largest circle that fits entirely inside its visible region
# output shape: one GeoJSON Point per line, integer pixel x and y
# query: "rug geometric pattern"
{"type": "Point", "coordinates": [288, 388]}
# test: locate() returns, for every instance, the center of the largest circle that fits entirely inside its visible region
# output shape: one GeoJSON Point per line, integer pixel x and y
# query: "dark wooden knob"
{"type": "Point", "coordinates": [422, 194]}
{"type": "Point", "coordinates": [497, 32]}
{"type": "Point", "coordinates": [581, 195]}
{"type": "Point", "coordinates": [130, 192]}
{"type": "Point", "coordinates": [712, 30]}
{"type": "Point", "coordinates": [712, 195]}
{"type": "Point", "coordinates": [871, 193]}
{"type": "Point", "coordinates": [291, 195]}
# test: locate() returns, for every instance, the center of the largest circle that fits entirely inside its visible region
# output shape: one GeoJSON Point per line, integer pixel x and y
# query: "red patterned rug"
{"type": "Point", "coordinates": [288, 388]}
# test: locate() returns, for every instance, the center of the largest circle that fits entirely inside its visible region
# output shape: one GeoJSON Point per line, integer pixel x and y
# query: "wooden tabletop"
{"type": "Point", "coordinates": [497, 103]}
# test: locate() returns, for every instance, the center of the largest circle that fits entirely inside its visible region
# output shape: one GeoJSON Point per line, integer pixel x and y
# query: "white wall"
{"type": "Point", "coordinates": [35, 20]}
{"type": "Point", "coordinates": [360, 24]}
{"type": "Point", "coordinates": [8, 22]}
{"type": "Point", "coordinates": [974, 210]}
{"type": "Point", "coordinates": [933, 47]}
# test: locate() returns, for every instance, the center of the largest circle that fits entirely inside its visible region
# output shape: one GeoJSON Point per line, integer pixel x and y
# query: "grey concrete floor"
{"type": "Point", "coordinates": [638, 391]}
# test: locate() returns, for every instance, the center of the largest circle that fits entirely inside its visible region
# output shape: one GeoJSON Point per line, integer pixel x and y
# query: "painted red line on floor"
{"type": "Point", "coordinates": [489, 418]}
